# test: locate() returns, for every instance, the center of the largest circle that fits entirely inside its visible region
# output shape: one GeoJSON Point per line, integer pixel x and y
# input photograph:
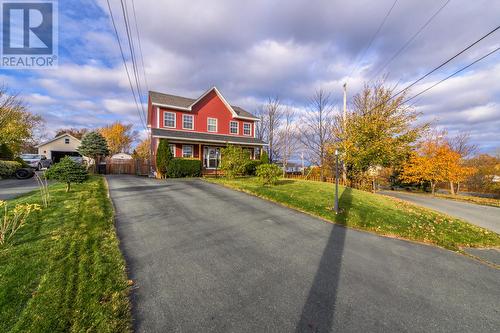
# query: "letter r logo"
{"type": "Point", "coordinates": [27, 28]}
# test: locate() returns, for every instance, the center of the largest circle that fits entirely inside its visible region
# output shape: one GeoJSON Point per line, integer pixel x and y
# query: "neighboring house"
{"type": "Point", "coordinates": [122, 156]}
{"type": "Point", "coordinates": [199, 128]}
{"type": "Point", "coordinates": [57, 148]}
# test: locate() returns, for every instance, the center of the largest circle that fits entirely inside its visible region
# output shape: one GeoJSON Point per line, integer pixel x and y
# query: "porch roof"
{"type": "Point", "coordinates": [205, 137]}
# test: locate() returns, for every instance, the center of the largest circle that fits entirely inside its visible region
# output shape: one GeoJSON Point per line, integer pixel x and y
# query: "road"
{"type": "Point", "coordinates": [208, 259]}
{"type": "Point", "coordinates": [11, 188]}
{"type": "Point", "coordinates": [484, 216]}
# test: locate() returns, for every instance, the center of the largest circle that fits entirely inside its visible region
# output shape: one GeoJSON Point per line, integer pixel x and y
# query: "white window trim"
{"type": "Point", "coordinates": [192, 151]}
{"type": "Point", "coordinates": [249, 134]}
{"type": "Point", "coordinates": [175, 119]}
{"type": "Point", "coordinates": [216, 125]}
{"type": "Point", "coordinates": [237, 127]}
{"type": "Point", "coordinates": [192, 121]}
{"type": "Point", "coordinates": [172, 145]}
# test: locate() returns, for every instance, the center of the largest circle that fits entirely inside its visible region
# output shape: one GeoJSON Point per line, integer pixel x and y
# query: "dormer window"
{"type": "Point", "coordinates": [233, 127]}
{"type": "Point", "coordinates": [211, 125]}
{"type": "Point", "coordinates": [169, 119]}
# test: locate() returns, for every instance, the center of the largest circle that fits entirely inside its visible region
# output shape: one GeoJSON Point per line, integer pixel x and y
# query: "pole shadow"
{"type": "Point", "coordinates": [318, 311]}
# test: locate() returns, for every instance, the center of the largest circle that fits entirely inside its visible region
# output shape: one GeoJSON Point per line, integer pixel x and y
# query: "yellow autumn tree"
{"type": "Point", "coordinates": [143, 149]}
{"type": "Point", "coordinates": [435, 162]}
{"type": "Point", "coordinates": [119, 137]}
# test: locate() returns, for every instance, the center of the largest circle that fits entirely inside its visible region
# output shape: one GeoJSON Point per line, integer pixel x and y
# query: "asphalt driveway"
{"type": "Point", "coordinates": [208, 259]}
{"type": "Point", "coordinates": [11, 188]}
{"type": "Point", "coordinates": [484, 216]}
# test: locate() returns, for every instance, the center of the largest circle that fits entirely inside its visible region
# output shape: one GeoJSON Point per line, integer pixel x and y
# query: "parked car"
{"type": "Point", "coordinates": [36, 161]}
{"type": "Point", "coordinates": [77, 159]}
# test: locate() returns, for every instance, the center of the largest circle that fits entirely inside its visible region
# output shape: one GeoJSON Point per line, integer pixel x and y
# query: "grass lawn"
{"type": "Point", "coordinates": [468, 198]}
{"type": "Point", "coordinates": [368, 211]}
{"type": "Point", "coordinates": [63, 271]}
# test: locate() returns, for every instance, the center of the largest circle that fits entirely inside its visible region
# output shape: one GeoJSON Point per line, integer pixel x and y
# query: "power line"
{"type": "Point", "coordinates": [451, 75]}
{"type": "Point", "coordinates": [140, 47]}
{"type": "Point", "coordinates": [132, 54]}
{"type": "Point", "coordinates": [440, 66]}
{"type": "Point", "coordinates": [373, 38]}
{"type": "Point", "coordinates": [411, 39]}
{"type": "Point", "coordinates": [125, 64]}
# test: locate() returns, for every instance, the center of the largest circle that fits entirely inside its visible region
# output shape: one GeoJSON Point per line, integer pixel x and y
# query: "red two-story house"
{"type": "Point", "coordinates": [198, 128]}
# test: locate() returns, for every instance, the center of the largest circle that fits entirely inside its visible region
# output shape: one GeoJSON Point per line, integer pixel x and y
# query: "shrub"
{"type": "Point", "coordinates": [163, 158]}
{"type": "Point", "coordinates": [67, 171]}
{"type": "Point", "coordinates": [233, 160]}
{"type": "Point", "coordinates": [5, 152]}
{"type": "Point", "coordinates": [184, 167]}
{"type": "Point", "coordinates": [12, 221]}
{"type": "Point", "coordinates": [268, 173]}
{"type": "Point", "coordinates": [251, 167]}
{"type": "Point", "coordinates": [264, 158]}
{"type": "Point", "coordinates": [7, 168]}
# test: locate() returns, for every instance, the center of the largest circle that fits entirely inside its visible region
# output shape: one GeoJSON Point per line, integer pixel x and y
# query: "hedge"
{"type": "Point", "coordinates": [184, 167]}
{"type": "Point", "coordinates": [7, 168]}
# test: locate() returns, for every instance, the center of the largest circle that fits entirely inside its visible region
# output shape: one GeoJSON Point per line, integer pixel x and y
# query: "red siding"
{"type": "Point", "coordinates": [211, 106]}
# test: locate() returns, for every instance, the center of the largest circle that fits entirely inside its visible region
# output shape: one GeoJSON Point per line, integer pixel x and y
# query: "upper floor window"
{"type": "Point", "coordinates": [66, 141]}
{"type": "Point", "coordinates": [172, 148]}
{"type": "Point", "coordinates": [233, 127]}
{"type": "Point", "coordinates": [187, 121]}
{"type": "Point", "coordinates": [169, 119]}
{"type": "Point", "coordinates": [247, 129]}
{"type": "Point", "coordinates": [212, 125]}
{"type": "Point", "coordinates": [187, 151]}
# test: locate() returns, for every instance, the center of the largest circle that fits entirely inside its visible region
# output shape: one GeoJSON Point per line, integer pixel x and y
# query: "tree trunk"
{"type": "Point", "coordinates": [458, 187]}
{"type": "Point", "coordinates": [68, 186]}
{"type": "Point", "coordinates": [452, 188]}
{"type": "Point", "coordinates": [433, 187]}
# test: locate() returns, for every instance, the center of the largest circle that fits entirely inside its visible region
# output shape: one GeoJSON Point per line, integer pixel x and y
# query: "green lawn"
{"type": "Point", "coordinates": [368, 211]}
{"type": "Point", "coordinates": [63, 271]}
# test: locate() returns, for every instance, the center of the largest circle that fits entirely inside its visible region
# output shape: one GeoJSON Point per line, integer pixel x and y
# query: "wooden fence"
{"type": "Point", "coordinates": [127, 167]}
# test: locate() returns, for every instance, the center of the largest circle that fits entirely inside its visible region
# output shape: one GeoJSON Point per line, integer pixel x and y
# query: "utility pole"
{"type": "Point", "coordinates": [302, 157]}
{"type": "Point", "coordinates": [344, 127]}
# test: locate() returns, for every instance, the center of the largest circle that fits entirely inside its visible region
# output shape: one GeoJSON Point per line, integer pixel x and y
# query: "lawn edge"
{"type": "Point", "coordinates": [459, 251]}
{"type": "Point", "coordinates": [447, 198]}
{"type": "Point", "coordinates": [126, 271]}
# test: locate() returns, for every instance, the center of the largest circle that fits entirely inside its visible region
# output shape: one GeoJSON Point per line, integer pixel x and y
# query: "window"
{"type": "Point", "coordinates": [212, 125]}
{"type": "Point", "coordinates": [247, 129]}
{"type": "Point", "coordinates": [66, 141]}
{"type": "Point", "coordinates": [169, 119]}
{"type": "Point", "coordinates": [172, 148]}
{"type": "Point", "coordinates": [233, 127]}
{"type": "Point", "coordinates": [187, 121]}
{"type": "Point", "coordinates": [187, 151]}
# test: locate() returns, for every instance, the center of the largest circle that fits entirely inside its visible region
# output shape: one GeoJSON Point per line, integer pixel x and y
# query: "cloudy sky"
{"type": "Point", "coordinates": [255, 49]}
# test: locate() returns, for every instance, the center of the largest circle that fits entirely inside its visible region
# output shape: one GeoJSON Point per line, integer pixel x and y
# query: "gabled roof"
{"type": "Point", "coordinates": [186, 104]}
{"type": "Point", "coordinates": [57, 138]}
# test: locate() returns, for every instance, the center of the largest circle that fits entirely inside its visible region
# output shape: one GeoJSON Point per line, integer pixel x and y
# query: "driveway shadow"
{"type": "Point", "coordinates": [318, 311]}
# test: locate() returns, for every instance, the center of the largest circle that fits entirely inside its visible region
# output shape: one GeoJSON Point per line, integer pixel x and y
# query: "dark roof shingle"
{"type": "Point", "coordinates": [205, 137]}
{"type": "Point", "coordinates": [185, 102]}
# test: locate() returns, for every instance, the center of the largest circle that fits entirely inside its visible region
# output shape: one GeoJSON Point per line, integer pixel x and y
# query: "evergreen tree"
{"type": "Point", "coordinates": [163, 158]}
{"type": "Point", "coordinates": [67, 171]}
{"type": "Point", "coordinates": [94, 145]}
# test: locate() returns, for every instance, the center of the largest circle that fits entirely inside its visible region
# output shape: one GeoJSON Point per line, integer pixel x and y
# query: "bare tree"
{"type": "Point", "coordinates": [271, 115]}
{"type": "Point", "coordinates": [462, 145]}
{"type": "Point", "coordinates": [287, 137]}
{"type": "Point", "coordinates": [316, 128]}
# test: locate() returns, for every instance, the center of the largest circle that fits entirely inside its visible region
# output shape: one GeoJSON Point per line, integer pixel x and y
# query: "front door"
{"type": "Point", "coordinates": [211, 156]}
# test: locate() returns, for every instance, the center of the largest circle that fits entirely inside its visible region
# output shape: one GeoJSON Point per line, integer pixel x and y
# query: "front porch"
{"type": "Point", "coordinates": [208, 153]}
